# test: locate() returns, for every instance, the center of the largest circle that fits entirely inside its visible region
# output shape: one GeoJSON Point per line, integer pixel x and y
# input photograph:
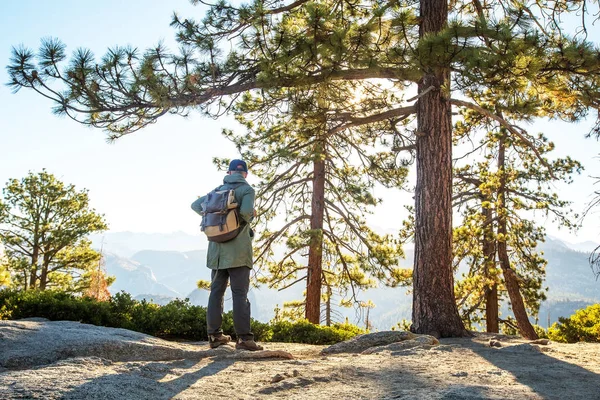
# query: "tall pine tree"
{"type": "Point", "coordinates": [317, 178]}
{"type": "Point", "coordinates": [44, 224]}
{"type": "Point", "coordinates": [500, 188]}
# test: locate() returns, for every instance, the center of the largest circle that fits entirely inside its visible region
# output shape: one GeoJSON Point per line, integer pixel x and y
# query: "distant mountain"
{"type": "Point", "coordinates": [163, 272]}
{"type": "Point", "coordinates": [177, 270]}
{"type": "Point", "coordinates": [134, 278]}
{"type": "Point", "coordinates": [155, 298]}
{"type": "Point", "coordinates": [585, 247]}
{"type": "Point", "coordinates": [198, 297]}
{"type": "Point", "coordinates": [570, 281]}
{"type": "Point", "coordinates": [568, 274]}
{"type": "Point", "coordinates": [126, 244]}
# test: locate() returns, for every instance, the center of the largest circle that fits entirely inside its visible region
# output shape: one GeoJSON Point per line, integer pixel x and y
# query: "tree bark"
{"type": "Point", "coordinates": [34, 266]}
{"type": "Point", "coordinates": [44, 274]}
{"type": "Point", "coordinates": [510, 277]}
{"type": "Point", "coordinates": [434, 305]}
{"type": "Point", "coordinates": [328, 307]}
{"type": "Point", "coordinates": [489, 254]}
{"type": "Point", "coordinates": [35, 254]}
{"type": "Point", "coordinates": [315, 251]}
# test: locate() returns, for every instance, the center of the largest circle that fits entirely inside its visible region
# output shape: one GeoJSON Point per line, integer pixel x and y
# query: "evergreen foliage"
{"type": "Point", "coordinates": [490, 194]}
{"type": "Point", "coordinates": [305, 332]}
{"type": "Point", "coordinates": [43, 228]}
{"type": "Point", "coordinates": [175, 320]}
{"type": "Point", "coordinates": [583, 326]}
{"type": "Point", "coordinates": [288, 138]}
{"type": "Point", "coordinates": [4, 272]}
{"type": "Point", "coordinates": [493, 48]}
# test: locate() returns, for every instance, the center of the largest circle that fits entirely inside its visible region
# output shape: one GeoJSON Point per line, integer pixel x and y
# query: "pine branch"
{"type": "Point", "coordinates": [280, 232]}
{"type": "Point", "coordinates": [511, 128]}
{"type": "Point", "coordinates": [358, 121]}
{"type": "Point", "coordinates": [293, 283]}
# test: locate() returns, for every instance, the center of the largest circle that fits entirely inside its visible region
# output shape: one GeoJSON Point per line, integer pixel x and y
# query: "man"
{"type": "Point", "coordinates": [232, 261]}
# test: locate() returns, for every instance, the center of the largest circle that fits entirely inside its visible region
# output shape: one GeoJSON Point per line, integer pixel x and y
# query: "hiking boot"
{"type": "Point", "coordinates": [248, 345]}
{"type": "Point", "coordinates": [217, 340]}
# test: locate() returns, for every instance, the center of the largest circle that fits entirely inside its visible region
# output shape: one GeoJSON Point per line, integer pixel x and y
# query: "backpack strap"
{"type": "Point", "coordinates": [231, 185]}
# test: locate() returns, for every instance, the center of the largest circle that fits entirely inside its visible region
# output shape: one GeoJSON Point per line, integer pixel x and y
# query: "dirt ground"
{"type": "Point", "coordinates": [466, 368]}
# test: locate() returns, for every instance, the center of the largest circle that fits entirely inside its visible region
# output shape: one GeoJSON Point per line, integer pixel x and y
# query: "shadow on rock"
{"type": "Point", "coordinates": [148, 381]}
{"type": "Point", "coordinates": [543, 374]}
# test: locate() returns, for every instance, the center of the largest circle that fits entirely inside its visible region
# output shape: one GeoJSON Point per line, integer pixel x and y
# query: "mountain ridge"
{"type": "Point", "coordinates": [172, 273]}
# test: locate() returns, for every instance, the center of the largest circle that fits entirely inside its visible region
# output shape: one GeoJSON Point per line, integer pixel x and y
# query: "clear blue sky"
{"type": "Point", "coordinates": [145, 182]}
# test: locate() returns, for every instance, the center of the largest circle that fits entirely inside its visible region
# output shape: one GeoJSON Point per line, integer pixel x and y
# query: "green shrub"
{"type": "Point", "coordinates": [583, 326]}
{"type": "Point", "coordinates": [180, 319]}
{"type": "Point", "coordinates": [53, 305]}
{"type": "Point", "coordinates": [262, 331]}
{"type": "Point", "coordinates": [541, 332]}
{"type": "Point", "coordinates": [403, 325]}
{"type": "Point", "coordinates": [175, 320]}
{"type": "Point", "coordinates": [304, 332]}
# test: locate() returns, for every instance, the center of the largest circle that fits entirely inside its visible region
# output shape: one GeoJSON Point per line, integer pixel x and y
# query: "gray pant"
{"type": "Point", "coordinates": [240, 283]}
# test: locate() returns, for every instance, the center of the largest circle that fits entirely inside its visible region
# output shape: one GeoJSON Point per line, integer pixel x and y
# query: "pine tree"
{"type": "Point", "coordinates": [498, 196]}
{"type": "Point", "coordinates": [320, 179]}
{"type": "Point", "coordinates": [517, 49]}
{"type": "Point", "coordinates": [43, 228]}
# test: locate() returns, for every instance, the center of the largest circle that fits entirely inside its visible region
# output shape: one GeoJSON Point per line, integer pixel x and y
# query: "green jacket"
{"type": "Point", "coordinates": [238, 251]}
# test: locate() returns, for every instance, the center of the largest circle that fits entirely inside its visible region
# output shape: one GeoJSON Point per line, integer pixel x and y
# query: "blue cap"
{"type": "Point", "coordinates": [238, 165]}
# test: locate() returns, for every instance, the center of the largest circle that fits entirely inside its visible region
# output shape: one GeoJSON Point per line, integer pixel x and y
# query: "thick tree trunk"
{"type": "Point", "coordinates": [434, 305]}
{"type": "Point", "coordinates": [315, 251]}
{"type": "Point", "coordinates": [510, 277]}
{"type": "Point", "coordinates": [491, 309]}
{"type": "Point", "coordinates": [489, 254]}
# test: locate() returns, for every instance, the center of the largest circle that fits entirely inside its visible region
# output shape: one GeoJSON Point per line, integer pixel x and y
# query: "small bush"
{"type": "Point", "coordinates": [178, 319]}
{"type": "Point", "coordinates": [403, 325]}
{"type": "Point", "coordinates": [304, 332]}
{"type": "Point", "coordinates": [541, 332]}
{"type": "Point", "coordinates": [53, 305]}
{"type": "Point", "coordinates": [583, 326]}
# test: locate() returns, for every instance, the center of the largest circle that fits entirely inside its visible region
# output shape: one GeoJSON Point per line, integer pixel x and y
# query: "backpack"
{"type": "Point", "coordinates": [220, 216]}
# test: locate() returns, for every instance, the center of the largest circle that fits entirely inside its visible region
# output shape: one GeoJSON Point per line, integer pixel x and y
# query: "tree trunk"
{"type": "Point", "coordinates": [44, 274]}
{"type": "Point", "coordinates": [489, 254]}
{"type": "Point", "coordinates": [33, 276]}
{"type": "Point", "coordinates": [25, 283]}
{"type": "Point", "coordinates": [328, 307]}
{"type": "Point", "coordinates": [510, 277]}
{"type": "Point", "coordinates": [35, 253]}
{"type": "Point", "coordinates": [491, 309]}
{"type": "Point", "coordinates": [34, 264]}
{"type": "Point", "coordinates": [434, 305]}
{"type": "Point", "coordinates": [315, 251]}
